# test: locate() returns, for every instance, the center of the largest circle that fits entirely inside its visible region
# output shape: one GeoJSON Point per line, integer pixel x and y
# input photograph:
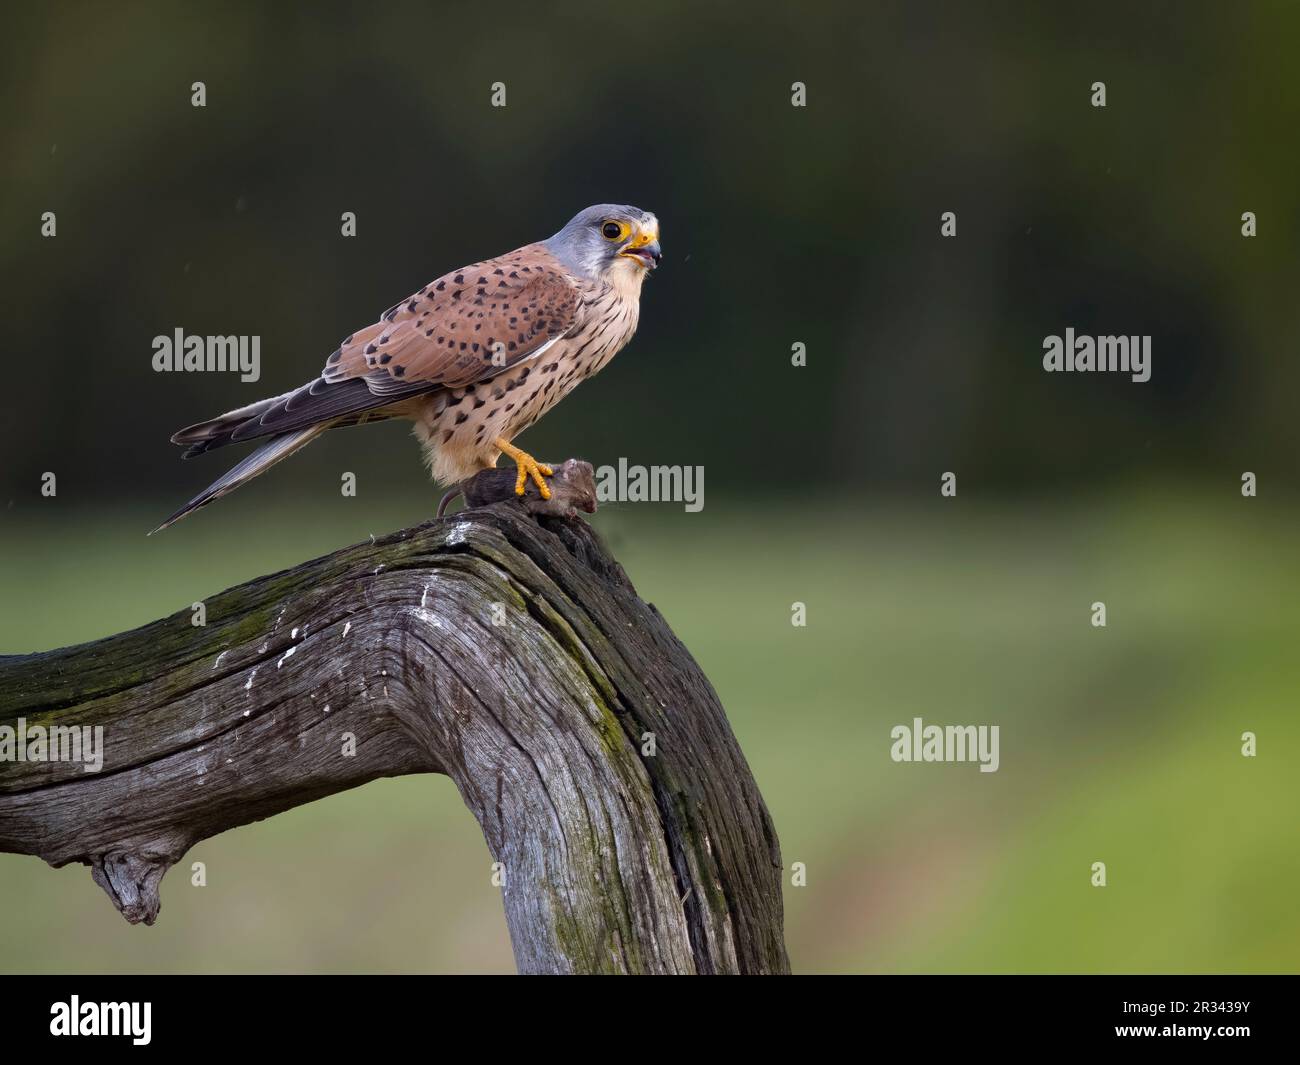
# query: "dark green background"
{"type": "Point", "coordinates": [818, 225]}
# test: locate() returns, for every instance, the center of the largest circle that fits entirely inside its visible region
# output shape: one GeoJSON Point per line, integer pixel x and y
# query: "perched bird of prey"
{"type": "Point", "coordinates": [473, 358]}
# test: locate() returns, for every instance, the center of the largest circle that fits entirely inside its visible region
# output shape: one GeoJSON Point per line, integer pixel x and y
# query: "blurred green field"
{"type": "Point", "coordinates": [1119, 744]}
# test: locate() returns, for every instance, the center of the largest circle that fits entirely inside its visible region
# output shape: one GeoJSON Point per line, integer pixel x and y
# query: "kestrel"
{"type": "Point", "coordinates": [473, 358]}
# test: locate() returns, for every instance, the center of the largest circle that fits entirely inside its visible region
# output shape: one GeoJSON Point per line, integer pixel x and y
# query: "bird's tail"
{"type": "Point", "coordinates": [266, 456]}
{"type": "Point", "coordinates": [219, 431]}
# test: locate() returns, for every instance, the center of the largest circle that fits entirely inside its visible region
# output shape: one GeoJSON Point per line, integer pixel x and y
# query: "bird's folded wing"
{"type": "Point", "coordinates": [465, 327]}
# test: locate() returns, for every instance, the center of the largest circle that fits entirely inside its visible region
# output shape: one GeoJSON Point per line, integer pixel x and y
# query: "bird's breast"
{"type": "Point", "coordinates": [595, 340]}
{"type": "Point", "coordinates": [460, 425]}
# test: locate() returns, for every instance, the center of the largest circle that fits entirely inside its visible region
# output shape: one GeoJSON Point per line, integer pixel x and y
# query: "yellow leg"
{"type": "Point", "coordinates": [528, 467]}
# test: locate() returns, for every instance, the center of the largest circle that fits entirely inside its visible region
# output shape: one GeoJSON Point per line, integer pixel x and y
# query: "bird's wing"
{"type": "Point", "coordinates": [467, 326]}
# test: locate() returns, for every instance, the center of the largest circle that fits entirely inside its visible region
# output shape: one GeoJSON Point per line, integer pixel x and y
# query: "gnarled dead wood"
{"type": "Point", "coordinates": [510, 653]}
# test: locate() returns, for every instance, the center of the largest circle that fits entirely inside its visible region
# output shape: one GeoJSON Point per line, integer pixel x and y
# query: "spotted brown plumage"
{"type": "Point", "coordinates": [466, 327]}
{"type": "Point", "coordinates": [473, 358]}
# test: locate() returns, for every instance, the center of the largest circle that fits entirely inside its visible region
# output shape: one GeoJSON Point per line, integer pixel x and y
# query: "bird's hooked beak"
{"type": "Point", "coordinates": [644, 248]}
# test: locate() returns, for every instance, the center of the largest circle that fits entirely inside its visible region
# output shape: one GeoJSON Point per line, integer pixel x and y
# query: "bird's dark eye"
{"type": "Point", "coordinates": [613, 231]}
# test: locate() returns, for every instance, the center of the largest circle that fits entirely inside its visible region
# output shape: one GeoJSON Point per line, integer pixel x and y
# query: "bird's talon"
{"type": "Point", "coordinates": [538, 471]}
{"type": "Point", "coordinates": [528, 467]}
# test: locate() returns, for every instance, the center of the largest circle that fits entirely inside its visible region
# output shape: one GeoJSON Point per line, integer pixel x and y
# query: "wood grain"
{"type": "Point", "coordinates": [510, 653]}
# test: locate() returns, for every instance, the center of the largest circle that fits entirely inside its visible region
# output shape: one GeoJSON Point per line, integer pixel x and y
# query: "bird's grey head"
{"type": "Point", "coordinates": [610, 241]}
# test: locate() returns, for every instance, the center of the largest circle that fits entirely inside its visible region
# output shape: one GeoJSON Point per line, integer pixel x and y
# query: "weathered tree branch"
{"type": "Point", "coordinates": [510, 653]}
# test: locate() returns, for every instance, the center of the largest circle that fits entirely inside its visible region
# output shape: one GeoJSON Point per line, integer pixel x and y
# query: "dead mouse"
{"type": "Point", "coordinates": [573, 488]}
